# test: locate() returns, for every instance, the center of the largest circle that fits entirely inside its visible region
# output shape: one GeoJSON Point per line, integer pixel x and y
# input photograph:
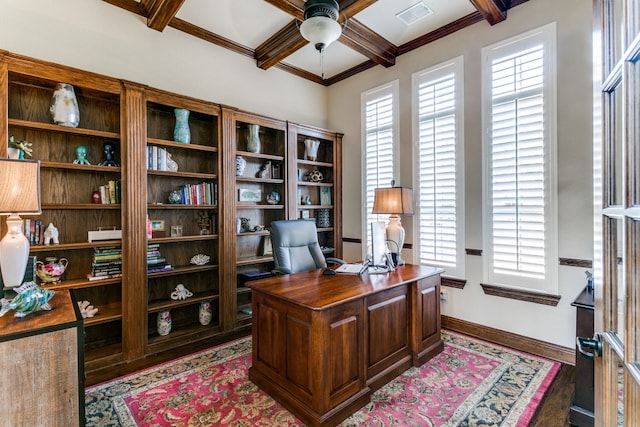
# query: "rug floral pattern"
{"type": "Point", "coordinates": [471, 383]}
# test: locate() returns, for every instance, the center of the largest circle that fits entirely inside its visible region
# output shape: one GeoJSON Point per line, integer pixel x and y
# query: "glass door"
{"type": "Point", "coordinates": [617, 213]}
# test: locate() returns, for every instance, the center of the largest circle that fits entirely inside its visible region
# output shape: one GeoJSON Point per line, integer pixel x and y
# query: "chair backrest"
{"type": "Point", "coordinates": [295, 246]}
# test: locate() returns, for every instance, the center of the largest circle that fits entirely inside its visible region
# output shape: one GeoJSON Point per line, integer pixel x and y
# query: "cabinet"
{"type": "Point", "coordinates": [316, 183]}
{"type": "Point", "coordinates": [581, 411]}
{"type": "Point", "coordinates": [43, 381]}
{"type": "Point", "coordinates": [138, 122]}
{"type": "Point", "coordinates": [259, 195]}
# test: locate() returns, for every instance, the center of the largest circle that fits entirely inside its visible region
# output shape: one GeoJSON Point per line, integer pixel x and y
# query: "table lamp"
{"type": "Point", "coordinates": [19, 194]}
{"type": "Point", "coordinates": [395, 201]}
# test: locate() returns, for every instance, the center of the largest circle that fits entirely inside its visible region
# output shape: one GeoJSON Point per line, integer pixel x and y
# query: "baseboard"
{"type": "Point", "coordinates": [508, 339]}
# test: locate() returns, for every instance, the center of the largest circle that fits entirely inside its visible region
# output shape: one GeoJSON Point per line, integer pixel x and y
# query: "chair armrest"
{"type": "Point", "coordinates": [277, 271]}
{"type": "Point", "coordinates": [332, 260]}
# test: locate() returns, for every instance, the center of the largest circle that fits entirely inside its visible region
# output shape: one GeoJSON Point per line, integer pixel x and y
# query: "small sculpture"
{"type": "Point", "coordinates": [172, 165]}
{"type": "Point", "coordinates": [22, 147]}
{"type": "Point", "coordinates": [81, 156]}
{"type": "Point", "coordinates": [200, 259]}
{"type": "Point", "coordinates": [315, 176]}
{"type": "Point", "coordinates": [86, 309]}
{"type": "Point", "coordinates": [30, 298]}
{"type": "Point", "coordinates": [181, 292]}
{"type": "Point", "coordinates": [204, 222]}
{"type": "Point", "coordinates": [51, 234]}
{"type": "Point", "coordinates": [265, 170]}
{"type": "Point", "coordinates": [109, 152]}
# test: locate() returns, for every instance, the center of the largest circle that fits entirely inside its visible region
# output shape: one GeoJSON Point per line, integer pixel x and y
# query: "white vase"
{"type": "Point", "coordinates": [163, 325]}
{"type": "Point", "coordinates": [205, 313]}
{"type": "Point", "coordinates": [253, 139]}
{"type": "Point", "coordinates": [241, 163]}
{"type": "Point", "coordinates": [311, 149]}
{"type": "Point", "coordinates": [64, 106]}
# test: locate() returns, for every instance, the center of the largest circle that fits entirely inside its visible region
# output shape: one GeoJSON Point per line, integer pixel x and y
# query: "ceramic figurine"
{"type": "Point", "coordinates": [171, 164]}
{"type": "Point", "coordinates": [81, 156]}
{"type": "Point", "coordinates": [30, 298]}
{"type": "Point", "coordinates": [51, 235]}
{"type": "Point", "coordinates": [181, 292]}
{"type": "Point", "coordinates": [109, 155]}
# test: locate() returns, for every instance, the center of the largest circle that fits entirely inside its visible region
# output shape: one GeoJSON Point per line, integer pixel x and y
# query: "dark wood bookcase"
{"type": "Point", "coordinates": [135, 118]}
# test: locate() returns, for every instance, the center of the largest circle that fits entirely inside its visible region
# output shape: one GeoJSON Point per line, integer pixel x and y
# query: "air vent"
{"type": "Point", "coordinates": [414, 13]}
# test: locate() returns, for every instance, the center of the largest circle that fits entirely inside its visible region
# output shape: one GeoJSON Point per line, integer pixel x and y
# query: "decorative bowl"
{"type": "Point", "coordinates": [52, 271]}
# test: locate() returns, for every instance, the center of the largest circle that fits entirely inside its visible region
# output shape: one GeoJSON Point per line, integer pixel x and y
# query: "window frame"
{"type": "Point", "coordinates": [390, 88]}
{"type": "Point", "coordinates": [453, 66]}
{"type": "Point", "coordinates": [545, 35]}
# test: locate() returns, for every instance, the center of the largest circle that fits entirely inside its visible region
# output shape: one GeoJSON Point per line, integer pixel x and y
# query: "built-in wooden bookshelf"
{"type": "Point", "coordinates": [317, 183]}
{"type": "Point", "coordinates": [134, 119]}
{"type": "Point", "coordinates": [258, 197]}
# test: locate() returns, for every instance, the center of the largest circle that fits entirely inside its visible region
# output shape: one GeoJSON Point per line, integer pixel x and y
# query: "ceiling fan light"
{"type": "Point", "coordinates": [321, 31]}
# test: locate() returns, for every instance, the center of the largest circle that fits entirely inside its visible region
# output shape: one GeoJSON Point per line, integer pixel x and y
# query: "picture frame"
{"type": "Point", "coordinates": [157, 225]}
{"type": "Point", "coordinates": [266, 246]}
{"type": "Point", "coordinates": [249, 195]}
{"type": "Point", "coordinates": [158, 228]}
{"type": "Point", "coordinates": [325, 196]}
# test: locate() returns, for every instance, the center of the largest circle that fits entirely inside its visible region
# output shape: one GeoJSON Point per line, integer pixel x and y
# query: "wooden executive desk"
{"type": "Point", "coordinates": [323, 344]}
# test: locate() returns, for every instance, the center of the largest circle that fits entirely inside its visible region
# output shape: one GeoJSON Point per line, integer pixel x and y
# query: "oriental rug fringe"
{"type": "Point", "coordinates": [471, 383]}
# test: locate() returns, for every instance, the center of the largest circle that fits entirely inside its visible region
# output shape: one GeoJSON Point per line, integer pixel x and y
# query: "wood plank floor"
{"type": "Point", "coordinates": [554, 409]}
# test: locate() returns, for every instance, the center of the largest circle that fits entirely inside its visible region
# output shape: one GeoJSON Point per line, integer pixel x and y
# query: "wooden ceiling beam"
{"type": "Point", "coordinates": [294, 8]}
{"type": "Point", "coordinates": [349, 8]}
{"type": "Point", "coordinates": [162, 12]}
{"type": "Point", "coordinates": [369, 43]}
{"type": "Point", "coordinates": [129, 5]}
{"type": "Point", "coordinates": [494, 11]}
{"type": "Point", "coordinates": [280, 45]}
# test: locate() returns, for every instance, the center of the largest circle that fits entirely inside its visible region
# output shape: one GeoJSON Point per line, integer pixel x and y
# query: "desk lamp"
{"type": "Point", "coordinates": [19, 194]}
{"type": "Point", "coordinates": [395, 201]}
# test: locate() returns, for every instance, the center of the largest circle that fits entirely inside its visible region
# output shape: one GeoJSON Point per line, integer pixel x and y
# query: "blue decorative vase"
{"type": "Point", "coordinates": [182, 133]}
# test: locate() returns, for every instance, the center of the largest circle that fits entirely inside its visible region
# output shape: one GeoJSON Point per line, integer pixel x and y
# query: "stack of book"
{"type": "Point", "coordinates": [107, 263]}
{"type": "Point", "coordinates": [110, 192]}
{"type": "Point", "coordinates": [155, 262]}
{"type": "Point", "coordinates": [33, 231]}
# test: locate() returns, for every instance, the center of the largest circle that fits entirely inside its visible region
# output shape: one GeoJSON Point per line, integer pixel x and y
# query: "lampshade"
{"type": "Point", "coordinates": [19, 187]}
{"type": "Point", "coordinates": [320, 26]}
{"type": "Point", "coordinates": [19, 194]}
{"type": "Point", "coordinates": [393, 200]}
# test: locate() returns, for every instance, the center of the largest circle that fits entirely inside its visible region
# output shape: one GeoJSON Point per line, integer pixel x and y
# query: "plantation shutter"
{"type": "Point", "coordinates": [518, 186]}
{"type": "Point", "coordinates": [379, 128]}
{"type": "Point", "coordinates": [437, 171]}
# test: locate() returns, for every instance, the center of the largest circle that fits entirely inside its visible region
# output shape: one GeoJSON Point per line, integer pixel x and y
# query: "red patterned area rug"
{"type": "Point", "coordinates": [471, 383]}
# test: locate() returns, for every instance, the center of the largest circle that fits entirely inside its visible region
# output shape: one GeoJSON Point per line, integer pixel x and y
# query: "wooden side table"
{"type": "Point", "coordinates": [43, 366]}
{"type": "Point", "coordinates": [581, 411]}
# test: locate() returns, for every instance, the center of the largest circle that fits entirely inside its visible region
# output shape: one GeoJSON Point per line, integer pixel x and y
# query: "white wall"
{"type": "Point", "coordinates": [95, 36]}
{"type": "Point", "coordinates": [573, 17]}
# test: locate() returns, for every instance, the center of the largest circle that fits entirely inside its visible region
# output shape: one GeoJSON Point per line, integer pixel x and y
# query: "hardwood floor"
{"type": "Point", "coordinates": [554, 409]}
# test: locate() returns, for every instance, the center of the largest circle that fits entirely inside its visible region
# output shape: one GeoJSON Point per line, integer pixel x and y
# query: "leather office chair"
{"type": "Point", "coordinates": [296, 248]}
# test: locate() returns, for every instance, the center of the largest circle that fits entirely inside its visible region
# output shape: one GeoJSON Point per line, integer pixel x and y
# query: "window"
{"type": "Point", "coordinates": [520, 211]}
{"type": "Point", "coordinates": [439, 166]}
{"type": "Point", "coordinates": [380, 122]}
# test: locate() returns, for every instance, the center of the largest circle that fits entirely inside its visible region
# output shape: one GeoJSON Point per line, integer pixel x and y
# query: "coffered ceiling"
{"type": "Point", "coordinates": [268, 30]}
